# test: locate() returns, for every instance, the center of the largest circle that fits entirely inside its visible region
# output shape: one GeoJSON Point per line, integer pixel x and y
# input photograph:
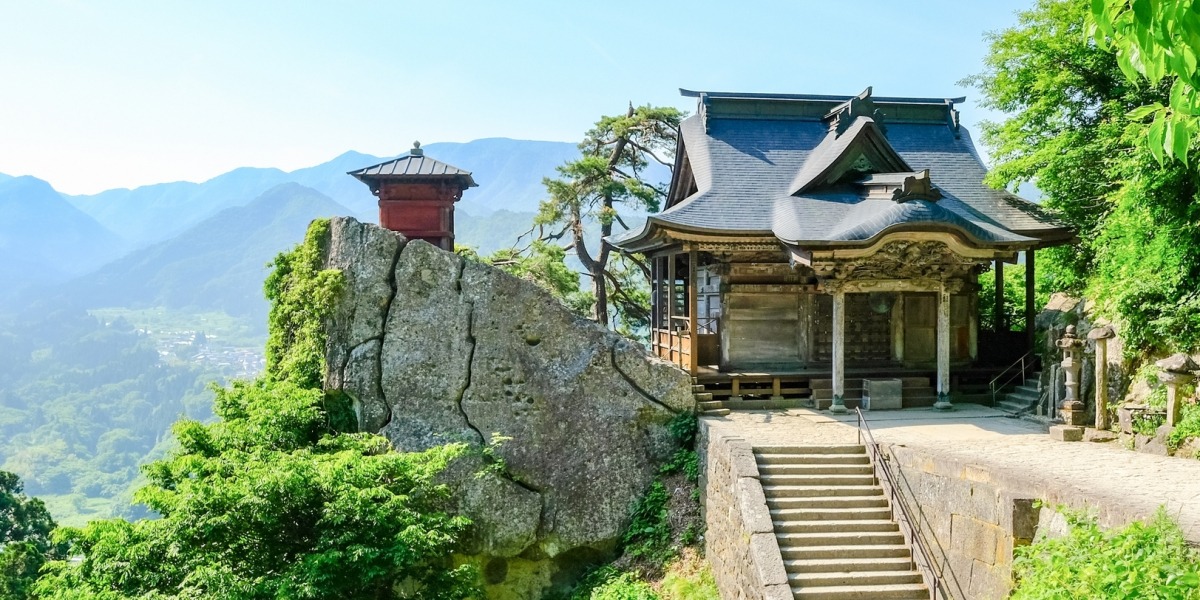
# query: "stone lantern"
{"type": "Point", "coordinates": [1101, 335]}
{"type": "Point", "coordinates": [1176, 370]}
{"type": "Point", "coordinates": [1071, 409]}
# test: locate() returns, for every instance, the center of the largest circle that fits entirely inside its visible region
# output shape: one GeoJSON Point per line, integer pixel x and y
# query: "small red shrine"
{"type": "Point", "coordinates": [417, 195]}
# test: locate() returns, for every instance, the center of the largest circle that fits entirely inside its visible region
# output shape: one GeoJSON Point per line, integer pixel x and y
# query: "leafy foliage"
{"type": "Point", "coordinates": [301, 295]}
{"type": "Point", "coordinates": [625, 586]}
{"type": "Point", "coordinates": [1070, 130]}
{"type": "Point", "coordinates": [83, 402]}
{"type": "Point", "coordinates": [1014, 297]}
{"type": "Point", "coordinates": [25, 542]}
{"type": "Point", "coordinates": [1143, 561]}
{"type": "Point", "coordinates": [268, 502]}
{"type": "Point", "coordinates": [1158, 40]}
{"type": "Point", "coordinates": [593, 188]}
{"type": "Point", "coordinates": [271, 500]}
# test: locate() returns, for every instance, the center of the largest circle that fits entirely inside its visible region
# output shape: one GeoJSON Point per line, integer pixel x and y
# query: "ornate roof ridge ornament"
{"type": "Point", "coordinates": [917, 187]}
{"type": "Point", "coordinates": [846, 113]}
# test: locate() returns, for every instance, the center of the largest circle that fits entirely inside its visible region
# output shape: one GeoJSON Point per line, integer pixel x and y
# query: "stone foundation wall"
{"type": "Point", "coordinates": [740, 542]}
{"type": "Point", "coordinates": [972, 517]}
{"type": "Point", "coordinates": [969, 521]}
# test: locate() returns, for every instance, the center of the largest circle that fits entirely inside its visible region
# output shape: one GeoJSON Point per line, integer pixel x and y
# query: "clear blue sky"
{"type": "Point", "coordinates": [103, 94]}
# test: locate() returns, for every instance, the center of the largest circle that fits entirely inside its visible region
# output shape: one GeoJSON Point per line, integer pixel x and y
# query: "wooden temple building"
{"type": "Point", "coordinates": [417, 195]}
{"type": "Point", "coordinates": [807, 238]}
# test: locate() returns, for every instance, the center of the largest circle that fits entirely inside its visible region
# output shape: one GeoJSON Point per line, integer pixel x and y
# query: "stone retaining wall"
{"type": "Point", "coordinates": [971, 516]}
{"type": "Point", "coordinates": [740, 542]}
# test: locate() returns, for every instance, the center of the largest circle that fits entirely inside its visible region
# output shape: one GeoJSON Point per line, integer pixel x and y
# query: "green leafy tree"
{"type": "Point", "coordinates": [270, 502]}
{"type": "Point", "coordinates": [25, 543]}
{"type": "Point", "coordinates": [593, 189]}
{"type": "Point", "coordinates": [274, 500]}
{"type": "Point", "coordinates": [1158, 40]}
{"type": "Point", "coordinates": [1068, 128]}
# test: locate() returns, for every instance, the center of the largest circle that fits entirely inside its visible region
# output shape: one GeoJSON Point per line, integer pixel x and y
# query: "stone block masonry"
{"type": "Point", "coordinates": [740, 542]}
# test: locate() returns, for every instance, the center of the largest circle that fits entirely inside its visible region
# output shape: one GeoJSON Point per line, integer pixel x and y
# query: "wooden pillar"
{"type": "Point", "coordinates": [898, 329]}
{"type": "Point", "coordinates": [998, 305]}
{"type": "Point", "coordinates": [943, 349]}
{"type": "Point", "coordinates": [839, 352]}
{"type": "Point", "coordinates": [655, 304]}
{"type": "Point", "coordinates": [693, 301]}
{"type": "Point", "coordinates": [672, 336]}
{"type": "Point", "coordinates": [1030, 284]}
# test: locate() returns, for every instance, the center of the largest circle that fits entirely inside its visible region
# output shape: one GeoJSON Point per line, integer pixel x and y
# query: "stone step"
{"type": "Point", "coordinates": [703, 397]}
{"type": "Point", "coordinates": [827, 449]}
{"type": "Point", "coordinates": [813, 459]}
{"type": "Point", "coordinates": [805, 491]}
{"type": "Point", "coordinates": [1031, 398]}
{"type": "Point", "coordinates": [857, 382]}
{"type": "Point", "coordinates": [843, 565]}
{"type": "Point", "coordinates": [1012, 407]}
{"type": "Point", "coordinates": [710, 405]}
{"type": "Point", "coordinates": [697, 388]}
{"type": "Point", "coordinates": [832, 514]}
{"type": "Point", "coordinates": [840, 538]}
{"type": "Point", "coordinates": [715, 412]}
{"type": "Point", "coordinates": [847, 394]}
{"type": "Point", "coordinates": [844, 551]}
{"type": "Point", "coordinates": [857, 525]}
{"type": "Point", "coordinates": [820, 479]}
{"type": "Point", "coordinates": [900, 591]}
{"type": "Point", "coordinates": [1028, 388]}
{"type": "Point", "coordinates": [839, 502]}
{"type": "Point", "coordinates": [816, 469]}
{"type": "Point", "coordinates": [856, 578]}
{"type": "Point", "coordinates": [782, 403]}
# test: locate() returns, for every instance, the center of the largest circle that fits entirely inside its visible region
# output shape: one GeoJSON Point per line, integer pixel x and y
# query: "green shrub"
{"type": "Point", "coordinates": [699, 587]}
{"type": "Point", "coordinates": [626, 586]}
{"type": "Point", "coordinates": [1143, 561]}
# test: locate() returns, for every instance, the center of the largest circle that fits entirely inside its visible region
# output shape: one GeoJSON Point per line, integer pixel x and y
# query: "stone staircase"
{"type": "Point", "coordinates": [916, 391]}
{"type": "Point", "coordinates": [705, 405]}
{"type": "Point", "coordinates": [1023, 398]}
{"type": "Point", "coordinates": [834, 525]}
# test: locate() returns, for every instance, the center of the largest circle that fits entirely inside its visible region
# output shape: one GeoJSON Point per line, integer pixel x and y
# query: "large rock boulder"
{"type": "Point", "coordinates": [432, 349]}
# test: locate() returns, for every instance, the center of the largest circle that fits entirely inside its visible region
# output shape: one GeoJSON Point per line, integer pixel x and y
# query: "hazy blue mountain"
{"type": "Point", "coordinates": [218, 264]}
{"type": "Point", "coordinates": [157, 212]}
{"type": "Point", "coordinates": [509, 173]}
{"type": "Point", "coordinates": [44, 239]}
{"type": "Point", "coordinates": [491, 232]}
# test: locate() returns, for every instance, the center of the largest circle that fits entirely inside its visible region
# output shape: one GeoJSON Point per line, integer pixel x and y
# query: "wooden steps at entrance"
{"type": "Point", "coordinates": [834, 525]}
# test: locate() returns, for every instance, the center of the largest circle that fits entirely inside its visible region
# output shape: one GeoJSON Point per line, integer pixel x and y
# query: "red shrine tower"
{"type": "Point", "coordinates": [417, 195]}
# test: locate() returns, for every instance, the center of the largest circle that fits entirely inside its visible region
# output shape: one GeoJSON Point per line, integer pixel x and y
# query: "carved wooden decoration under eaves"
{"type": "Point", "coordinates": [902, 259]}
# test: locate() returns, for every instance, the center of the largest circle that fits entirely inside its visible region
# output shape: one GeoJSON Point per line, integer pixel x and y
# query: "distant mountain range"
{"type": "Point", "coordinates": [509, 173]}
{"type": "Point", "coordinates": [43, 238]}
{"type": "Point", "coordinates": [204, 245]}
{"type": "Point", "coordinates": [218, 264]}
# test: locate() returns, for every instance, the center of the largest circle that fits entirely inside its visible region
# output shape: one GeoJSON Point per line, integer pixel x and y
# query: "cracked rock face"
{"type": "Point", "coordinates": [434, 349]}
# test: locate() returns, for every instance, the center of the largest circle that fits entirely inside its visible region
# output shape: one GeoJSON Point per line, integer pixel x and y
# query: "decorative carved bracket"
{"type": "Point", "coordinates": [858, 106]}
{"type": "Point", "coordinates": [917, 187]}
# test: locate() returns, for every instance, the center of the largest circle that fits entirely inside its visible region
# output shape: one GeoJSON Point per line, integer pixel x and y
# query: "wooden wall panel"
{"type": "Point", "coordinates": [761, 330]}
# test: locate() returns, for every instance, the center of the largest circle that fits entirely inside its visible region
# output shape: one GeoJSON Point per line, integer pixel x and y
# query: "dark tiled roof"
{"type": "Point", "coordinates": [413, 166]}
{"type": "Point", "coordinates": [747, 169]}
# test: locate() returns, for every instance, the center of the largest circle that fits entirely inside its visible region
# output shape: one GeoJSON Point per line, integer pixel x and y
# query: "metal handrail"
{"type": "Point", "coordinates": [916, 539]}
{"type": "Point", "coordinates": [1027, 357]}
